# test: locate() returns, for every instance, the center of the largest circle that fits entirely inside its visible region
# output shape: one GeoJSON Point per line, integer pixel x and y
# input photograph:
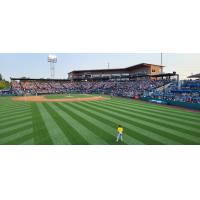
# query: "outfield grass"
{"type": "Point", "coordinates": [95, 122]}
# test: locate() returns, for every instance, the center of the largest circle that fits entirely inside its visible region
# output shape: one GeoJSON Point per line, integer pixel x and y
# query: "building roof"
{"type": "Point", "coordinates": [37, 79]}
{"type": "Point", "coordinates": [194, 76]}
{"type": "Point", "coordinates": [117, 69]}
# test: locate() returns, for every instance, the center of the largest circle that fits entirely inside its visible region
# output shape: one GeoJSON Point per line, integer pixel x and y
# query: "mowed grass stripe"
{"type": "Point", "coordinates": [148, 112]}
{"type": "Point", "coordinates": [98, 131]}
{"type": "Point", "coordinates": [158, 119]}
{"type": "Point", "coordinates": [178, 117]}
{"type": "Point", "coordinates": [40, 132]}
{"type": "Point", "coordinates": [4, 110]}
{"type": "Point", "coordinates": [28, 142]}
{"type": "Point", "coordinates": [154, 131]}
{"type": "Point", "coordinates": [171, 111]}
{"type": "Point", "coordinates": [88, 135]}
{"type": "Point", "coordinates": [161, 130]}
{"type": "Point", "coordinates": [15, 121]}
{"type": "Point", "coordinates": [114, 123]}
{"type": "Point", "coordinates": [17, 136]}
{"type": "Point", "coordinates": [186, 115]}
{"type": "Point", "coordinates": [8, 114]}
{"type": "Point", "coordinates": [21, 140]}
{"type": "Point", "coordinates": [56, 134]}
{"type": "Point", "coordinates": [14, 106]}
{"type": "Point", "coordinates": [73, 136]}
{"type": "Point", "coordinates": [145, 104]}
{"type": "Point", "coordinates": [16, 126]}
{"type": "Point", "coordinates": [83, 119]}
{"type": "Point", "coordinates": [144, 130]}
{"type": "Point", "coordinates": [148, 104]}
{"type": "Point", "coordinates": [22, 127]}
{"type": "Point", "coordinates": [146, 136]}
{"type": "Point", "coordinates": [14, 109]}
{"type": "Point", "coordinates": [10, 102]}
{"type": "Point", "coordinates": [183, 130]}
{"type": "Point", "coordinates": [103, 124]}
{"type": "Point", "coordinates": [13, 117]}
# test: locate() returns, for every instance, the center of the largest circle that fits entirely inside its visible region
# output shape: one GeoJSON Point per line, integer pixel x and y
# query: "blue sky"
{"type": "Point", "coordinates": [35, 65]}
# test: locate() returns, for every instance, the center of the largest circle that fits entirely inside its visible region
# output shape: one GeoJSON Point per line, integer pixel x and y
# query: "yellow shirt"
{"type": "Point", "coordinates": [120, 130]}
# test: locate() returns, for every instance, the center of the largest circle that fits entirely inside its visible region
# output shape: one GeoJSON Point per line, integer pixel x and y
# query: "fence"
{"type": "Point", "coordinates": [195, 106]}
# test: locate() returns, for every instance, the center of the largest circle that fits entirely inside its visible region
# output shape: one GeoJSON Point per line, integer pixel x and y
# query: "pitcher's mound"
{"type": "Point", "coordinates": [43, 99]}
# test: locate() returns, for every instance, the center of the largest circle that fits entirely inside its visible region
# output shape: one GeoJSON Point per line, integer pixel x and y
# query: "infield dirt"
{"type": "Point", "coordinates": [43, 99]}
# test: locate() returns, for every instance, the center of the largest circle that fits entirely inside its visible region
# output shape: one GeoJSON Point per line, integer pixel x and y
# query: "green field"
{"type": "Point", "coordinates": [95, 122]}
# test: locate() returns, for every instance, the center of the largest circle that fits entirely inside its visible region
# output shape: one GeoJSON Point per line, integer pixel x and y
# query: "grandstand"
{"type": "Point", "coordinates": [132, 81]}
{"type": "Point", "coordinates": [138, 81]}
{"type": "Point", "coordinates": [115, 87]}
{"type": "Point", "coordinates": [142, 80]}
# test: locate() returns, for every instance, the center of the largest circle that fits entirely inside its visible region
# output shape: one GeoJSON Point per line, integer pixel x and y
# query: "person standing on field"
{"type": "Point", "coordinates": [120, 133]}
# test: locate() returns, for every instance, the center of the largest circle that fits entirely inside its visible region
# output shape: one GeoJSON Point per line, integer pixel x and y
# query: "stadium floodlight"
{"type": "Point", "coordinates": [52, 59]}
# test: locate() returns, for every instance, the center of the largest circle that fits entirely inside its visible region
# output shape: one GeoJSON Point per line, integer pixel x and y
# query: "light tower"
{"type": "Point", "coordinates": [108, 65]}
{"type": "Point", "coordinates": [52, 59]}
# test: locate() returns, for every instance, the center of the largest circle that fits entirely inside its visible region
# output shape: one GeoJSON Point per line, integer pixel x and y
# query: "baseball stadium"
{"type": "Point", "coordinates": [140, 103]}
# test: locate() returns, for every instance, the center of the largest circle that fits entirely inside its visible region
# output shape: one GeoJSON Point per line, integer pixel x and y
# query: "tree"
{"type": "Point", "coordinates": [1, 78]}
{"type": "Point", "coordinates": [2, 85]}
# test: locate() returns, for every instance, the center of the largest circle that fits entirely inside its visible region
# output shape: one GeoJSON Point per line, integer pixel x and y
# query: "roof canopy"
{"type": "Point", "coordinates": [37, 79]}
{"type": "Point", "coordinates": [118, 69]}
{"type": "Point", "coordinates": [194, 76]}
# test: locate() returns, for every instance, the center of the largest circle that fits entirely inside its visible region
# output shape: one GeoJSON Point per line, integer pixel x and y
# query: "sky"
{"type": "Point", "coordinates": [35, 65]}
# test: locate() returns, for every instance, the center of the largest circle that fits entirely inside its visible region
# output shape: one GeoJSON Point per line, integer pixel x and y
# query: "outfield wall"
{"type": "Point", "coordinates": [194, 106]}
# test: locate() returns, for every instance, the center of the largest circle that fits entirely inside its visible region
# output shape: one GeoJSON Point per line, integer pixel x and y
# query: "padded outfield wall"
{"type": "Point", "coordinates": [194, 106]}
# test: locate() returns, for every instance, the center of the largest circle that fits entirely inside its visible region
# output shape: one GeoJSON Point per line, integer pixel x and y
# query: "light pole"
{"type": "Point", "coordinates": [108, 65]}
{"type": "Point", "coordinates": [52, 59]}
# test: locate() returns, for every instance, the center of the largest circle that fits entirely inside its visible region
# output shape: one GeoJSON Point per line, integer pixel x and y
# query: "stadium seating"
{"type": "Point", "coordinates": [189, 91]}
{"type": "Point", "coordinates": [118, 88]}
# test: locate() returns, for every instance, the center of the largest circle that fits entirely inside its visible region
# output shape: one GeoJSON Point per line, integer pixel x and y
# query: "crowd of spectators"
{"type": "Point", "coordinates": [116, 88]}
{"type": "Point", "coordinates": [191, 85]}
{"type": "Point", "coordinates": [188, 91]}
{"type": "Point", "coordinates": [185, 91]}
{"type": "Point", "coordinates": [4, 92]}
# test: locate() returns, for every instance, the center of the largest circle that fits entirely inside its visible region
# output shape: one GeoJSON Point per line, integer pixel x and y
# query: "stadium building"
{"type": "Point", "coordinates": [139, 71]}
